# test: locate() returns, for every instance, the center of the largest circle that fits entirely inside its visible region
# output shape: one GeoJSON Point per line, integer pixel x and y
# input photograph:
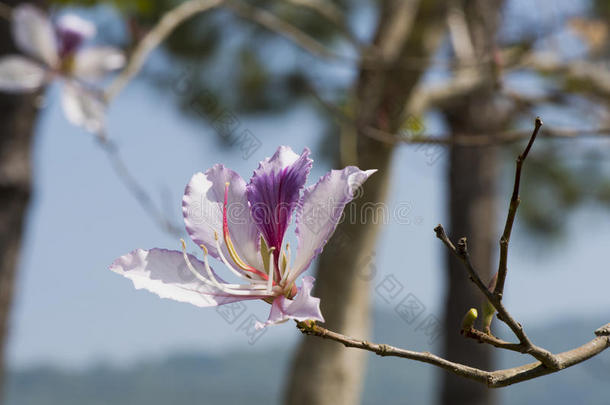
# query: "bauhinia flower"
{"type": "Point", "coordinates": [54, 51]}
{"type": "Point", "coordinates": [244, 227]}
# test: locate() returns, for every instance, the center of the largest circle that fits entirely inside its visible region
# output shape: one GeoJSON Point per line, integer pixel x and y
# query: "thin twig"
{"type": "Point", "coordinates": [333, 14]}
{"type": "Point", "coordinates": [368, 58]}
{"type": "Point", "coordinates": [135, 188]}
{"type": "Point", "coordinates": [512, 211]}
{"type": "Point", "coordinates": [324, 8]}
{"type": "Point", "coordinates": [463, 139]}
{"type": "Point", "coordinates": [483, 337]}
{"type": "Point", "coordinates": [492, 379]}
{"type": "Point", "coordinates": [170, 21]}
{"type": "Point", "coordinates": [285, 29]}
{"type": "Point", "coordinates": [495, 297]}
{"type": "Point", "coordinates": [491, 139]}
{"type": "Point", "coordinates": [461, 251]}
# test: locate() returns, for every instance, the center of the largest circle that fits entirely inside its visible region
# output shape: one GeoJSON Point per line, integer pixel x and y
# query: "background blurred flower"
{"type": "Point", "coordinates": [54, 51]}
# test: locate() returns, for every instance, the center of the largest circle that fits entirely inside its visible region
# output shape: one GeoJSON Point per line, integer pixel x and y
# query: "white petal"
{"type": "Point", "coordinates": [83, 107]}
{"type": "Point", "coordinates": [34, 34]}
{"type": "Point", "coordinates": [319, 212]}
{"type": "Point", "coordinates": [94, 63]}
{"type": "Point", "coordinates": [19, 74]}
{"type": "Point", "coordinates": [165, 273]}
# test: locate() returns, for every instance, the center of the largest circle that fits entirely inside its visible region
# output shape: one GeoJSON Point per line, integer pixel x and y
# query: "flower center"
{"type": "Point", "coordinates": [276, 264]}
{"type": "Point", "coordinates": [67, 64]}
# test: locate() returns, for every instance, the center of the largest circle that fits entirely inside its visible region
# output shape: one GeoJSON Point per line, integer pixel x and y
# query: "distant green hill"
{"type": "Point", "coordinates": [255, 377]}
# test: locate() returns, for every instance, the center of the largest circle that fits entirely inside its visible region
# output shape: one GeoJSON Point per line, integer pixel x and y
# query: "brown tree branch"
{"type": "Point", "coordinates": [495, 297]}
{"type": "Point", "coordinates": [283, 28]}
{"type": "Point", "coordinates": [332, 13]}
{"type": "Point", "coordinates": [461, 251]}
{"type": "Point", "coordinates": [591, 77]}
{"type": "Point", "coordinates": [493, 379]}
{"type": "Point", "coordinates": [500, 138]}
{"type": "Point", "coordinates": [483, 337]}
{"type": "Point", "coordinates": [512, 211]}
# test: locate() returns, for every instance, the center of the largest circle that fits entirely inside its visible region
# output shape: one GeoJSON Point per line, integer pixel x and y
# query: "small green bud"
{"type": "Point", "coordinates": [488, 311]}
{"type": "Point", "coordinates": [469, 319]}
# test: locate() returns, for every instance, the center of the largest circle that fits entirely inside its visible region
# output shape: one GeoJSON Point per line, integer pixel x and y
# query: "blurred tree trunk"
{"type": "Point", "coordinates": [17, 117]}
{"type": "Point", "coordinates": [472, 203]}
{"type": "Point", "coordinates": [325, 372]}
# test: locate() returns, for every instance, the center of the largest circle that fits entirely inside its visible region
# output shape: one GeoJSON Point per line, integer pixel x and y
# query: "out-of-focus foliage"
{"type": "Point", "coordinates": [565, 176]}
{"type": "Point", "coordinates": [231, 65]}
{"type": "Point", "coordinates": [264, 83]}
{"type": "Point", "coordinates": [219, 62]}
{"type": "Point", "coordinates": [143, 7]}
{"type": "Point", "coordinates": [555, 183]}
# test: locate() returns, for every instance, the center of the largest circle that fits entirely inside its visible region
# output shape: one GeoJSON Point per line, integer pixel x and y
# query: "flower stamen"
{"type": "Point", "coordinates": [271, 272]}
{"type": "Point", "coordinates": [227, 238]}
{"type": "Point", "coordinates": [232, 289]}
{"type": "Point", "coordinates": [286, 262]}
{"type": "Point", "coordinates": [226, 262]}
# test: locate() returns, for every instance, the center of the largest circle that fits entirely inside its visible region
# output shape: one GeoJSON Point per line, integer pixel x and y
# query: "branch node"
{"type": "Point", "coordinates": [440, 231]}
{"type": "Point", "coordinates": [603, 331]}
{"type": "Point", "coordinates": [383, 350]}
{"type": "Point", "coordinates": [462, 247]}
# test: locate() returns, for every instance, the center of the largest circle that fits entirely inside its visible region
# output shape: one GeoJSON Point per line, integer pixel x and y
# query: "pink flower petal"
{"type": "Point", "coordinates": [319, 211]}
{"type": "Point", "coordinates": [303, 307]}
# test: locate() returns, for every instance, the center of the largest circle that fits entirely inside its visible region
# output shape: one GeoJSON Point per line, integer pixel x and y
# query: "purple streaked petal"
{"type": "Point", "coordinates": [165, 273]}
{"type": "Point", "coordinates": [71, 32]}
{"type": "Point", "coordinates": [202, 210]}
{"type": "Point", "coordinates": [96, 62]}
{"type": "Point", "coordinates": [19, 74]}
{"type": "Point", "coordinates": [319, 211]}
{"type": "Point", "coordinates": [302, 307]}
{"type": "Point", "coordinates": [34, 34]}
{"type": "Point", "coordinates": [274, 190]}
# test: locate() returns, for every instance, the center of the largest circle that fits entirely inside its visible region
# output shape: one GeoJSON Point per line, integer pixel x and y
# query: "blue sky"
{"type": "Point", "coordinates": [71, 311]}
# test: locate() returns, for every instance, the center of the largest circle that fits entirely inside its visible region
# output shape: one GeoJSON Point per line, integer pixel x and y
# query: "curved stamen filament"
{"type": "Point", "coordinates": [271, 272]}
{"type": "Point", "coordinates": [286, 269]}
{"type": "Point", "coordinates": [227, 238]}
{"type": "Point", "coordinates": [231, 289]}
{"type": "Point", "coordinates": [226, 262]}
